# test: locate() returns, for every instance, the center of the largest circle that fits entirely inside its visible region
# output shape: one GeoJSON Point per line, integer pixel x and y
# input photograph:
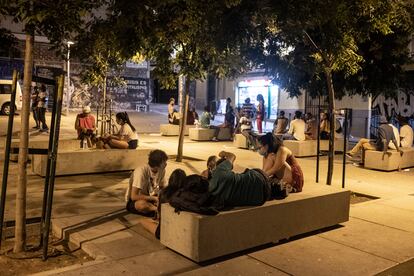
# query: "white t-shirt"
{"type": "Point", "coordinates": [297, 129]}
{"type": "Point", "coordinates": [245, 123]}
{"type": "Point", "coordinates": [145, 180]}
{"type": "Point", "coordinates": [406, 134]}
{"type": "Point", "coordinates": [396, 135]}
{"type": "Point", "coordinates": [127, 132]}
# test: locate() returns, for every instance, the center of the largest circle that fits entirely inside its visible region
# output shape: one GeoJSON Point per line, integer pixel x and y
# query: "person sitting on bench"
{"type": "Point", "coordinates": [126, 138]}
{"type": "Point", "coordinates": [297, 128]}
{"type": "Point", "coordinates": [145, 184]}
{"type": "Point", "coordinates": [385, 135]}
{"type": "Point", "coordinates": [279, 162]}
{"type": "Point", "coordinates": [173, 115]}
{"type": "Point", "coordinates": [85, 125]}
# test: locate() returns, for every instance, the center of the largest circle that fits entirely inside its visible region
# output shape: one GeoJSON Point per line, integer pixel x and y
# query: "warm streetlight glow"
{"type": "Point", "coordinates": [70, 43]}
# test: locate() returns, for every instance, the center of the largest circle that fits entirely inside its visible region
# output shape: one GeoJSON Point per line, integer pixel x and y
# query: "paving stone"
{"type": "Point", "coordinates": [107, 269]}
{"type": "Point", "coordinates": [158, 263]}
{"type": "Point", "coordinates": [317, 256]}
{"type": "Point", "coordinates": [406, 202]}
{"type": "Point", "coordinates": [240, 266]}
{"type": "Point", "coordinates": [383, 241]}
{"type": "Point", "coordinates": [386, 215]}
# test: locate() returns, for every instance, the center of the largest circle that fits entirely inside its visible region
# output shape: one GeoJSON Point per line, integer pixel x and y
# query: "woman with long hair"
{"type": "Point", "coordinates": [126, 138]}
{"type": "Point", "coordinates": [260, 115]}
{"type": "Point", "coordinates": [279, 162]}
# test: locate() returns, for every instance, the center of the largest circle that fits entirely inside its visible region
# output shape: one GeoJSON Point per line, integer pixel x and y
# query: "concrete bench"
{"type": "Point", "coordinates": [392, 159]}
{"type": "Point", "coordinates": [202, 238]}
{"type": "Point", "coordinates": [206, 134]}
{"type": "Point", "coordinates": [309, 147]}
{"type": "Point", "coordinates": [82, 161]}
{"type": "Point", "coordinates": [64, 144]}
{"type": "Point", "coordinates": [173, 130]}
{"type": "Point", "coordinates": [240, 141]}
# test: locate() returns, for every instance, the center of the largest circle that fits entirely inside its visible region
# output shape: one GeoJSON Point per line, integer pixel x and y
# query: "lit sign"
{"type": "Point", "coordinates": [250, 83]}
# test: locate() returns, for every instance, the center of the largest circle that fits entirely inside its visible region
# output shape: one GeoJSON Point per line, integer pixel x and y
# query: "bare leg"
{"type": "Point", "coordinates": [145, 207]}
{"type": "Point", "coordinates": [117, 144]}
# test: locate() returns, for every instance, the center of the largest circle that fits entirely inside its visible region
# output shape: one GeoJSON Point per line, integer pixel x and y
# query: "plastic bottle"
{"type": "Point", "coordinates": [84, 144]}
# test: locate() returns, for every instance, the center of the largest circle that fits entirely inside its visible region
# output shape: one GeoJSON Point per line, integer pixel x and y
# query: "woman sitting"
{"type": "Point", "coordinates": [126, 138]}
{"type": "Point", "coordinates": [279, 162]}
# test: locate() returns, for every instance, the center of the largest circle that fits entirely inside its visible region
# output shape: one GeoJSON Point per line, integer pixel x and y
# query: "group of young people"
{"type": "Point", "coordinates": [222, 187]}
{"type": "Point", "coordinates": [304, 127]}
{"type": "Point", "coordinates": [125, 138]}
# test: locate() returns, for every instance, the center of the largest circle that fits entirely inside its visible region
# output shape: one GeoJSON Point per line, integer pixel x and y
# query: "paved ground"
{"type": "Point", "coordinates": [89, 210]}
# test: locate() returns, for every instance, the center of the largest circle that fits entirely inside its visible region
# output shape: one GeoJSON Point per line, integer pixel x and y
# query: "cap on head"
{"type": "Point", "coordinates": [86, 109]}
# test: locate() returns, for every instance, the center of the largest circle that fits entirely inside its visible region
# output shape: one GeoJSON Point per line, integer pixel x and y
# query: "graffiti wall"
{"type": "Point", "coordinates": [402, 105]}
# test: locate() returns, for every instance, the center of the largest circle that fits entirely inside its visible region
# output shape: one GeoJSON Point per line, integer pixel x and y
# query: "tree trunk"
{"type": "Point", "coordinates": [183, 121]}
{"type": "Point", "coordinates": [331, 98]}
{"type": "Point", "coordinates": [20, 230]}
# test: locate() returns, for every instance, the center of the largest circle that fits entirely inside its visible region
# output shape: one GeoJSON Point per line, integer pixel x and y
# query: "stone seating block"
{"type": "Point", "coordinates": [64, 144]}
{"type": "Point", "coordinates": [203, 238]}
{"type": "Point", "coordinates": [173, 130]}
{"type": "Point", "coordinates": [301, 148]}
{"type": "Point", "coordinates": [240, 141]}
{"type": "Point", "coordinates": [82, 161]}
{"type": "Point", "coordinates": [391, 161]}
{"type": "Point", "coordinates": [224, 134]}
{"type": "Point", "coordinates": [339, 145]}
{"type": "Point", "coordinates": [201, 134]}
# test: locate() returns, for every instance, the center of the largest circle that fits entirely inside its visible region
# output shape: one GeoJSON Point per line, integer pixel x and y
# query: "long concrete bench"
{"type": "Point", "coordinates": [173, 130]}
{"type": "Point", "coordinates": [309, 147]}
{"type": "Point", "coordinates": [64, 144]}
{"type": "Point", "coordinates": [202, 238]}
{"type": "Point", "coordinates": [391, 161]}
{"type": "Point", "coordinates": [92, 161]}
{"type": "Point", "coordinates": [206, 134]}
{"type": "Point", "coordinates": [240, 141]}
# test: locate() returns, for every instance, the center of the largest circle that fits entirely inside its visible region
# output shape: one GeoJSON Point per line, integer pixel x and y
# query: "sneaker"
{"type": "Point", "coordinates": [36, 127]}
{"type": "Point", "coordinates": [44, 130]}
{"type": "Point", "coordinates": [214, 139]}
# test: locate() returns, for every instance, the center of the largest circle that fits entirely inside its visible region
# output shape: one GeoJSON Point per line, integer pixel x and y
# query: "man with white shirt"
{"type": "Point", "coordinates": [396, 135]}
{"type": "Point", "coordinates": [296, 129]}
{"type": "Point", "coordinates": [145, 184]}
{"type": "Point", "coordinates": [406, 133]}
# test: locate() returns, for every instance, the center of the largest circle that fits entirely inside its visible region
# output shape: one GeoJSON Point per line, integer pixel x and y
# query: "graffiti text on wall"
{"type": "Point", "coordinates": [402, 105]}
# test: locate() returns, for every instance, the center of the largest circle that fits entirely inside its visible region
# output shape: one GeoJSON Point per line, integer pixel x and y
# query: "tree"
{"type": "Point", "coordinates": [309, 41]}
{"type": "Point", "coordinates": [185, 37]}
{"type": "Point", "coordinates": [56, 20]}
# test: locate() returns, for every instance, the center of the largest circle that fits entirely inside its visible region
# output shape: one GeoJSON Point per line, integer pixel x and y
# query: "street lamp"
{"type": "Point", "coordinates": [68, 79]}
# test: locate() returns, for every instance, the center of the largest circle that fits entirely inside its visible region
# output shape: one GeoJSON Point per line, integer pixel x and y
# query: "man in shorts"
{"type": "Point", "coordinates": [145, 183]}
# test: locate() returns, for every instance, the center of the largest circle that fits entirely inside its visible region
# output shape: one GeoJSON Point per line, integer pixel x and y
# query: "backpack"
{"type": "Point", "coordinates": [193, 197]}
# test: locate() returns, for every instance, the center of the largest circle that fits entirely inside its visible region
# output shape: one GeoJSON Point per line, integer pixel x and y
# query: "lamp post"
{"type": "Point", "coordinates": [68, 79]}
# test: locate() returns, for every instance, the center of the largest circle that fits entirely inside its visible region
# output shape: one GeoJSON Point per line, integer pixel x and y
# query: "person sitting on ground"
{"type": "Point", "coordinates": [281, 123]}
{"type": "Point", "coordinates": [406, 133]}
{"type": "Point", "coordinates": [311, 129]}
{"type": "Point", "coordinates": [85, 126]}
{"type": "Point", "coordinates": [279, 161]}
{"type": "Point", "coordinates": [206, 117]}
{"type": "Point", "coordinates": [297, 128]}
{"type": "Point", "coordinates": [384, 136]}
{"type": "Point", "coordinates": [126, 138]}
{"type": "Point", "coordinates": [145, 184]}
{"type": "Point", "coordinates": [325, 126]}
{"type": "Point", "coordinates": [211, 165]}
{"type": "Point", "coordinates": [246, 130]}
{"type": "Point", "coordinates": [173, 115]}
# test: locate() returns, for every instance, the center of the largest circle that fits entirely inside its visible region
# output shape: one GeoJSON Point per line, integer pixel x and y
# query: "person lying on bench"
{"type": "Point", "coordinates": [279, 162]}
{"type": "Point", "coordinates": [126, 138]}
{"type": "Point", "coordinates": [211, 165]}
{"type": "Point", "coordinates": [85, 126]}
{"type": "Point", "coordinates": [145, 183]}
{"type": "Point", "coordinates": [250, 188]}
